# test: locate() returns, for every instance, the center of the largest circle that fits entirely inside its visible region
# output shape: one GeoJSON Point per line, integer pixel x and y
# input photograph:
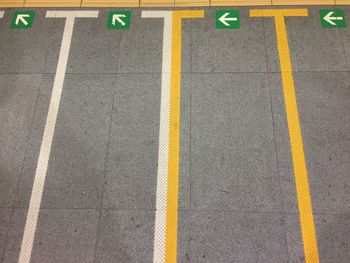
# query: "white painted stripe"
{"type": "Point", "coordinates": [72, 14]}
{"type": "Point", "coordinates": [162, 176]}
{"type": "Point", "coordinates": [2, 14]}
{"type": "Point", "coordinates": [45, 149]}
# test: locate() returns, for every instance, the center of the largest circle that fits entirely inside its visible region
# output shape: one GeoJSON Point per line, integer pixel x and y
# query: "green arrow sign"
{"type": "Point", "coordinates": [332, 18]}
{"type": "Point", "coordinates": [119, 20]}
{"type": "Point", "coordinates": [22, 19]}
{"type": "Point", "coordinates": [227, 19]}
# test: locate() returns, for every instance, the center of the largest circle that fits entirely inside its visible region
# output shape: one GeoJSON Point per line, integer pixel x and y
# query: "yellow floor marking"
{"type": "Point", "coordinates": [52, 3]}
{"type": "Point", "coordinates": [305, 2]}
{"type": "Point", "coordinates": [110, 3]}
{"type": "Point", "coordinates": [174, 135]}
{"type": "Point", "coordinates": [163, 3]}
{"type": "Point", "coordinates": [342, 2]}
{"type": "Point", "coordinates": [239, 2]}
{"type": "Point", "coordinates": [157, 3]}
{"type": "Point", "coordinates": [13, 3]}
{"type": "Point", "coordinates": [297, 149]}
{"type": "Point", "coordinates": [192, 2]}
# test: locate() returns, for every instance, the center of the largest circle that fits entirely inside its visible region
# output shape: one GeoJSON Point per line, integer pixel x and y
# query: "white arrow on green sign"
{"type": "Point", "coordinates": [119, 20]}
{"type": "Point", "coordinates": [332, 18]}
{"type": "Point", "coordinates": [227, 19]}
{"type": "Point", "coordinates": [22, 19]}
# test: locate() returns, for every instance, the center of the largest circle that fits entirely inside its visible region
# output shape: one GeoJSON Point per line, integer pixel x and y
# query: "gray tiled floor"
{"type": "Point", "coordinates": [345, 34]}
{"type": "Point", "coordinates": [237, 237]}
{"type": "Point", "coordinates": [240, 50]}
{"type": "Point", "coordinates": [126, 236]}
{"type": "Point", "coordinates": [25, 50]}
{"type": "Point", "coordinates": [18, 98]}
{"type": "Point", "coordinates": [76, 170]}
{"type": "Point", "coordinates": [332, 235]}
{"type": "Point", "coordinates": [133, 150]}
{"type": "Point", "coordinates": [63, 235]}
{"type": "Point", "coordinates": [232, 148]}
{"type": "Point", "coordinates": [237, 199]}
{"type": "Point", "coordinates": [5, 216]}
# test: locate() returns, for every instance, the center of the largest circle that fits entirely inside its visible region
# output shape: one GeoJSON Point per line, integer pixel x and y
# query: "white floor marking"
{"type": "Point", "coordinates": [162, 176]}
{"type": "Point", "coordinates": [2, 14]}
{"type": "Point", "coordinates": [45, 149]}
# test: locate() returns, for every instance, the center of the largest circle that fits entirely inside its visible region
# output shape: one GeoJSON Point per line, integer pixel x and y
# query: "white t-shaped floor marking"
{"type": "Point", "coordinates": [45, 149]}
{"type": "Point", "coordinates": [162, 176]}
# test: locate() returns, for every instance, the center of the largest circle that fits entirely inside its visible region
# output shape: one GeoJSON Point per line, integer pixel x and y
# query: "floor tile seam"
{"type": "Point", "coordinates": [27, 144]}
{"type": "Point", "coordinates": [86, 208]}
{"type": "Point", "coordinates": [183, 73]}
{"type": "Point", "coordinates": [48, 51]}
{"type": "Point", "coordinates": [268, 72]}
{"type": "Point", "coordinates": [251, 5]}
{"type": "Point", "coordinates": [278, 169]}
{"type": "Point", "coordinates": [51, 27]}
{"type": "Point", "coordinates": [21, 73]}
{"type": "Point", "coordinates": [148, 209]}
{"type": "Point", "coordinates": [320, 213]}
{"type": "Point", "coordinates": [266, 212]}
{"type": "Point", "coordinates": [42, 74]}
{"type": "Point", "coordinates": [275, 143]}
{"type": "Point", "coordinates": [2, 253]}
{"type": "Point", "coordinates": [347, 60]}
{"type": "Point", "coordinates": [190, 140]}
{"type": "Point", "coordinates": [28, 139]}
{"type": "Point", "coordinates": [236, 211]}
{"type": "Point", "coordinates": [104, 183]}
{"type": "Point", "coordinates": [180, 210]}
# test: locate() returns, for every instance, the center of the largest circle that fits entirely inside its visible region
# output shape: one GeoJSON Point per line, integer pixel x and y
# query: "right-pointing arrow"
{"type": "Point", "coordinates": [224, 18]}
{"type": "Point", "coordinates": [21, 17]}
{"type": "Point", "coordinates": [329, 18]}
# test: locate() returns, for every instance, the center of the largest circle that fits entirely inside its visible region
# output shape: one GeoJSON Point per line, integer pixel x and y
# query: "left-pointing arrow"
{"type": "Point", "coordinates": [329, 18]}
{"type": "Point", "coordinates": [21, 17]}
{"type": "Point", "coordinates": [223, 19]}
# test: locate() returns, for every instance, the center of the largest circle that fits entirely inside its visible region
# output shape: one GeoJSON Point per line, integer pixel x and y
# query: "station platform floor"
{"type": "Point", "coordinates": [164, 135]}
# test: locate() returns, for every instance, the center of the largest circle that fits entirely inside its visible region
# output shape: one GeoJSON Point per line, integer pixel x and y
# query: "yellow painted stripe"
{"type": "Point", "coordinates": [52, 3]}
{"type": "Point", "coordinates": [163, 3]}
{"type": "Point", "coordinates": [342, 2]}
{"type": "Point", "coordinates": [174, 135]}
{"type": "Point", "coordinates": [192, 3]}
{"type": "Point", "coordinates": [239, 2]}
{"type": "Point", "coordinates": [307, 2]}
{"type": "Point", "coordinates": [110, 3]}
{"type": "Point", "coordinates": [174, 140]}
{"type": "Point", "coordinates": [296, 142]}
{"type": "Point", "coordinates": [11, 3]}
{"type": "Point", "coordinates": [157, 3]}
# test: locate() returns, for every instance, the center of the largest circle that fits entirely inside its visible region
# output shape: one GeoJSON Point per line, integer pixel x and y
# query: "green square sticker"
{"type": "Point", "coordinates": [332, 18]}
{"type": "Point", "coordinates": [22, 19]}
{"type": "Point", "coordinates": [119, 20]}
{"type": "Point", "coordinates": [227, 19]}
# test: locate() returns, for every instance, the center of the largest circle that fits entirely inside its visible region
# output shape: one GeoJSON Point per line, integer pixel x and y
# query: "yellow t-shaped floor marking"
{"type": "Point", "coordinates": [174, 135]}
{"type": "Point", "coordinates": [296, 142]}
